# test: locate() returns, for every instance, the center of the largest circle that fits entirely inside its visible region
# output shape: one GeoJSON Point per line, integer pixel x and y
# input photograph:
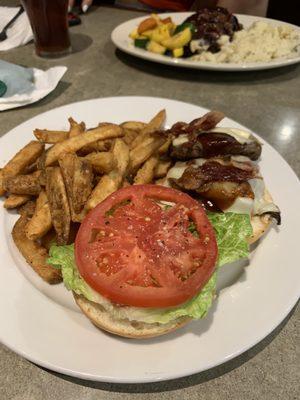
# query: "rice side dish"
{"type": "Point", "coordinates": [261, 42]}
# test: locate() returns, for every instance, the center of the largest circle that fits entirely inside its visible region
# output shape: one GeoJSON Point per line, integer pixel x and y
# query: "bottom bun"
{"type": "Point", "coordinates": [261, 223]}
{"type": "Point", "coordinates": [129, 329]}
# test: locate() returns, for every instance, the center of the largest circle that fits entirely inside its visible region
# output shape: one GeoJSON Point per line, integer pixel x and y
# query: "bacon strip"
{"type": "Point", "coordinates": [213, 171]}
{"type": "Point", "coordinates": [213, 144]}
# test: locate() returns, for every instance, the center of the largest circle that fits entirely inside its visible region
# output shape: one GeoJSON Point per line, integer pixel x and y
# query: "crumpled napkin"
{"type": "Point", "coordinates": [27, 85]}
{"type": "Point", "coordinates": [19, 33]}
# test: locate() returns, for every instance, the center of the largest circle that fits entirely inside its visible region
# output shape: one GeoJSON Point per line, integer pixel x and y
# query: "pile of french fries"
{"type": "Point", "coordinates": [55, 180]}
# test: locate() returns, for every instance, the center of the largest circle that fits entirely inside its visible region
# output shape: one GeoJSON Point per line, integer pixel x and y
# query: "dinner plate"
{"type": "Point", "coordinates": [42, 323]}
{"type": "Point", "coordinates": [120, 37]}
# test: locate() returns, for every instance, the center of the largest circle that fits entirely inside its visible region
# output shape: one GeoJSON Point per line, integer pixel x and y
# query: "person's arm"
{"type": "Point", "coordinates": [85, 4]}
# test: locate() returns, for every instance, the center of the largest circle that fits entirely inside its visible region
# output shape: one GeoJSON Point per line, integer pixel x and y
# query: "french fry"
{"type": "Point", "coordinates": [42, 178]}
{"type": "Point", "coordinates": [78, 178]}
{"type": "Point", "coordinates": [75, 143]}
{"type": "Point", "coordinates": [102, 162]}
{"type": "Point", "coordinates": [23, 158]}
{"type": "Point", "coordinates": [50, 137]}
{"type": "Point", "coordinates": [162, 168]}
{"type": "Point", "coordinates": [75, 127]}
{"type": "Point", "coordinates": [40, 162]}
{"type": "Point", "coordinates": [15, 200]}
{"type": "Point", "coordinates": [2, 190]}
{"type": "Point", "coordinates": [120, 152]}
{"type": "Point", "coordinates": [35, 254]}
{"type": "Point", "coordinates": [155, 124]}
{"type": "Point", "coordinates": [31, 168]}
{"type": "Point", "coordinates": [133, 125]}
{"type": "Point", "coordinates": [165, 147]}
{"type": "Point", "coordinates": [23, 184]}
{"type": "Point", "coordinates": [129, 135]}
{"type": "Point", "coordinates": [160, 181]}
{"type": "Point", "coordinates": [107, 185]}
{"type": "Point", "coordinates": [82, 186]}
{"type": "Point", "coordinates": [48, 239]}
{"type": "Point", "coordinates": [41, 222]}
{"type": "Point", "coordinates": [113, 181]}
{"type": "Point", "coordinates": [141, 153]}
{"type": "Point", "coordinates": [100, 145]}
{"type": "Point", "coordinates": [27, 209]}
{"type": "Point", "coordinates": [58, 202]}
{"type": "Point", "coordinates": [146, 173]}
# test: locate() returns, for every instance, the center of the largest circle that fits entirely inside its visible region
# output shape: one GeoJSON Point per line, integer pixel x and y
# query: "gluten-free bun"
{"type": "Point", "coordinates": [130, 329]}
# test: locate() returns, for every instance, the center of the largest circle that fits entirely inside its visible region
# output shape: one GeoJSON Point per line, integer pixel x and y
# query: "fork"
{"type": "Point", "coordinates": [3, 35]}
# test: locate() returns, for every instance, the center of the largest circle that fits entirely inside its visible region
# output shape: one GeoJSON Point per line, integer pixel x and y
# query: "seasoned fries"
{"type": "Point", "coordinates": [146, 173]}
{"type": "Point", "coordinates": [154, 125]}
{"type": "Point", "coordinates": [78, 178]}
{"type": "Point", "coordinates": [51, 137]}
{"type": "Point", "coordinates": [133, 125]}
{"type": "Point", "coordinates": [75, 128]}
{"type": "Point", "coordinates": [23, 158]}
{"type": "Point", "coordinates": [35, 254]}
{"type": "Point", "coordinates": [27, 209]}
{"type": "Point", "coordinates": [59, 205]}
{"type": "Point", "coordinates": [15, 200]}
{"type": "Point", "coordinates": [102, 162]}
{"type": "Point", "coordinates": [100, 145]}
{"type": "Point", "coordinates": [41, 221]}
{"type": "Point", "coordinates": [23, 184]}
{"type": "Point", "coordinates": [107, 185]}
{"type": "Point", "coordinates": [75, 143]}
{"type": "Point", "coordinates": [141, 153]}
{"type": "Point", "coordinates": [54, 188]}
{"type": "Point", "coordinates": [2, 190]}
{"type": "Point", "coordinates": [162, 168]}
{"type": "Point", "coordinates": [113, 181]}
{"type": "Point", "coordinates": [120, 153]}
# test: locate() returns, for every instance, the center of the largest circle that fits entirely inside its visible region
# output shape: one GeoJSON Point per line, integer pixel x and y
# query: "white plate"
{"type": "Point", "coordinates": [42, 323]}
{"type": "Point", "coordinates": [121, 40]}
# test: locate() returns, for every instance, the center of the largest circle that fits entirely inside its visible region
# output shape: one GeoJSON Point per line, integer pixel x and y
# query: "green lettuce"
{"type": "Point", "coordinates": [231, 230]}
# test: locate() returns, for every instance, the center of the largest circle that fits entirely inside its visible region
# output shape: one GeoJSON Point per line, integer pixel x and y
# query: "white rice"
{"type": "Point", "coordinates": [261, 42]}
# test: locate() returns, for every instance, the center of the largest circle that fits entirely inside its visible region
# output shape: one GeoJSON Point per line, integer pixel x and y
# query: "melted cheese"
{"type": "Point", "coordinates": [180, 140]}
{"type": "Point", "coordinates": [240, 135]}
{"type": "Point", "coordinates": [242, 205]}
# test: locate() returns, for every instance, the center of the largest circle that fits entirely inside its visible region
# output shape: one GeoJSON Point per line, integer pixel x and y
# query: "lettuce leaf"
{"type": "Point", "coordinates": [231, 230]}
{"type": "Point", "coordinates": [62, 257]}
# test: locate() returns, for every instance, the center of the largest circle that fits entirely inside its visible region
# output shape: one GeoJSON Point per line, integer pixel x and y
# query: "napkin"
{"type": "Point", "coordinates": [19, 33]}
{"type": "Point", "coordinates": [27, 85]}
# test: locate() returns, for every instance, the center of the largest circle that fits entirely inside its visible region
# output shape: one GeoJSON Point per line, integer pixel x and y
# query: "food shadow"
{"type": "Point", "coordinates": [250, 78]}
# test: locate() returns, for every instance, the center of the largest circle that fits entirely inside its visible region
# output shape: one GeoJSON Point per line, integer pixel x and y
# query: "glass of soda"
{"type": "Point", "coordinates": [49, 23]}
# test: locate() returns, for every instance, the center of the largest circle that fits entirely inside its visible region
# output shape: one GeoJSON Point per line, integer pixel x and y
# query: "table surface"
{"type": "Point", "coordinates": [267, 102]}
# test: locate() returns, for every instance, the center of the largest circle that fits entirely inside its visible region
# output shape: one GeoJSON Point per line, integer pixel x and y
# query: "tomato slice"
{"type": "Point", "coordinates": [136, 251]}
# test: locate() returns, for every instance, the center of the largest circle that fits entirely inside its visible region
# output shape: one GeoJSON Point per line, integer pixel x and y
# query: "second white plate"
{"type": "Point", "coordinates": [120, 37]}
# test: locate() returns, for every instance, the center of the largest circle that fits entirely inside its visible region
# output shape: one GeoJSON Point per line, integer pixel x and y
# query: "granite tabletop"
{"type": "Point", "coordinates": [268, 102]}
